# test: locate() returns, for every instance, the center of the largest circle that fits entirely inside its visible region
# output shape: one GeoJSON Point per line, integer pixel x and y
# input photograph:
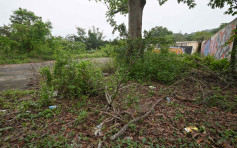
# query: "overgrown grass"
{"type": "Point", "coordinates": [90, 54]}
{"type": "Point", "coordinates": [163, 68]}
{"type": "Point", "coordinates": [19, 58]}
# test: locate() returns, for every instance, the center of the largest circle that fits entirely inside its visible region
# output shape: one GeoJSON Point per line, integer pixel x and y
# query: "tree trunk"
{"type": "Point", "coordinates": [135, 10]}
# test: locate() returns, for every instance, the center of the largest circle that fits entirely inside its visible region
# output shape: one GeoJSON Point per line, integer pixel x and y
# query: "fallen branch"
{"type": "Point", "coordinates": [114, 116]}
{"type": "Point", "coordinates": [10, 114]}
{"type": "Point", "coordinates": [125, 75]}
{"type": "Point", "coordinates": [210, 71]}
{"type": "Point", "coordinates": [121, 131]}
{"type": "Point", "coordinates": [125, 112]}
{"type": "Point", "coordinates": [183, 99]}
{"type": "Point", "coordinates": [109, 100]}
{"type": "Point", "coordinates": [107, 96]}
{"type": "Point", "coordinates": [127, 86]}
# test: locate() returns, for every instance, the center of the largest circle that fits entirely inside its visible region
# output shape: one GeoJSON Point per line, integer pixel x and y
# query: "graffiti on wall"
{"type": "Point", "coordinates": [178, 50]}
{"type": "Point", "coordinates": [175, 50]}
{"type": "Point", "coordinates": [216, 45]}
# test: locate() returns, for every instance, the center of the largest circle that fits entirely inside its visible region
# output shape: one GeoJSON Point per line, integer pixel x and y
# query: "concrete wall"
{"type": "Point", "coordinates": [193, 44]}
{"type": "Point", "coordinates": [215, 46]}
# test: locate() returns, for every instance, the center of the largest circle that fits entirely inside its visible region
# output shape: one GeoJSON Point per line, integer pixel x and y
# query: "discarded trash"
{"type": "Point", "coordinates": [3, 111]}
{"type": "Point", "coordinates": [168, 99]}
{"type": "Point", "coordinates": [99, 144]}
{"type": "Point", "coordinates": [152, 87]}
{"type": "Point", "coordinates": [190, 129]}
{"type": "Point", "coordinates": [55, 94]}
{"type": "Point", "coordinates": [98, 128]}
{"type": "Point", "coordinates": [28, 111]}
{"type": "Point", "coordinates": [53, 107]}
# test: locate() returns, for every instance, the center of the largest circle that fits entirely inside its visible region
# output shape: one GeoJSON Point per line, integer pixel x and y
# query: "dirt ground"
{"type": "Point", "coordinates": [16, 76]}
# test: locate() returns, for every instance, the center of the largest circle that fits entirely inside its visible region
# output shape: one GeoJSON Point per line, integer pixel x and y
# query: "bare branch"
{"type": "Point", "coordinates": [123, 130]}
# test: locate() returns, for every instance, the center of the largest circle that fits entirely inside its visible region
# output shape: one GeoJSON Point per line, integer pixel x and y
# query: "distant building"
{"type": "Point", "coordinates": [191, 45]}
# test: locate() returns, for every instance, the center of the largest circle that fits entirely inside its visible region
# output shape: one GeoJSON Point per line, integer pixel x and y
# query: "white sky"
{"type": "Point", "coordinates": [66, 14]}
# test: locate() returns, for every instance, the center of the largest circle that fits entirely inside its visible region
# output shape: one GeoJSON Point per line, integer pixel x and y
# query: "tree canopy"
{"type": "Point", "coordinates": [25, 31]}
{"type": "Point", "coordinates": [93, 38]}
{"type": "Point", "coordinates": [126, 6]}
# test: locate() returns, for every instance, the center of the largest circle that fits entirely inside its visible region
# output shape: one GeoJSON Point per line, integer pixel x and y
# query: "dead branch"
{"type": "Point", "coordinates": [114, 116]}
{"type": "Point", "coordinates": [200, 86]}
{"type": "Point", "coordinates": [175, 83]}
{"type": "Point", "coordinates": [126, 73]}
{"type": "Point", "coordinates": [210, 71]}
{"type": "Point", "coordinates": [128, 86]}
{"type": "Point", "coordinates": [10, 114]}
{"type": "Point", "coordinates": [125, 112]}
{"type": "Point", "coordinates": [122, 131]}
{"type": "Point", "coordinates": [184, 99]}
{"type": "Point", "coordinates": [108, 98]}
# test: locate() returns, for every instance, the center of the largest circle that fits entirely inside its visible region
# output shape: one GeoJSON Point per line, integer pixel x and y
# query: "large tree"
{"type": "Point", "coordinates": [93, 39]}
{"type": "Point", "coordinates": [26, 29]}
{"type": "Point", "coordinates": [134, 8]}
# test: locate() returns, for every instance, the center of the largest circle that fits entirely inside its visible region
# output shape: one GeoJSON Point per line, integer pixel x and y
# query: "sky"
{"type": "Point", "coordinates": [66, 15]}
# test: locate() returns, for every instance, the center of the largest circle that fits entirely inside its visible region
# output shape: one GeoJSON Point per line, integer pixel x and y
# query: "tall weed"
{"type": "Point", "coordinates": [72, 78]}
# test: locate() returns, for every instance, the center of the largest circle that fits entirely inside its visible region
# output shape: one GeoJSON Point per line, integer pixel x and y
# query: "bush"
{"type": "Point", "coordinates": [164, 67]}
{"type": "Point", "coordinates": [72, 78]}
{"type": "Point", "coordinates": [109, 49]}
{"type": "Point", "coordinates": [219, 66]}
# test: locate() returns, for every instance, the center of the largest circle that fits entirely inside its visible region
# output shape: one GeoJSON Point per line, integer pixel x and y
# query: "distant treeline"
{"type": "Point", "coordinates": [28, 36]}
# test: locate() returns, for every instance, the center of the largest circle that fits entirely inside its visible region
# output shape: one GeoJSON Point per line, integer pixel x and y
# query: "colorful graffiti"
{"type": "Point", "coordinates": [216, 45]}
{"type": "Point", "coordinates": [175, 50]}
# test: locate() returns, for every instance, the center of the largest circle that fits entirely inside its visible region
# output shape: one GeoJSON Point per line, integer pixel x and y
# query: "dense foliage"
{"type": "Point", "coordinates": [26, 34]}
{"type": "Point", "coordinates": [164, 67]}
{"type": "Point", "coordinates": [27, 38]}
{"type": "Point", "coordinates": [93, 39]}
{"type": "Point", "coordinates": [70, 78]}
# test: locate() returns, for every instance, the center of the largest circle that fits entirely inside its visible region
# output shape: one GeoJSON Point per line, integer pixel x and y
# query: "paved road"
{"type": "Point", "coordinates": [16, 76]}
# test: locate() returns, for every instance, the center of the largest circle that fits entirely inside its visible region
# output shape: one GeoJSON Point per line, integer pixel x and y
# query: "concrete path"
{"type": "Point", "coordinates": [16, 76]}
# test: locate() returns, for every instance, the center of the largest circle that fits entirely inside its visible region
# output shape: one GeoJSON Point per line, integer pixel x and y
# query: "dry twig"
{"type": "Point", "coordinates": [183, 99]}
{"type": "Point", "coordinates": [122, 131]}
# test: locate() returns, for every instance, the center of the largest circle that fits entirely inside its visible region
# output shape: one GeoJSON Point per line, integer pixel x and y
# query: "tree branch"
{"type": "Point", "coordinates": [123, 8]}
{"type": "Point", "coordinates": [123, 130]}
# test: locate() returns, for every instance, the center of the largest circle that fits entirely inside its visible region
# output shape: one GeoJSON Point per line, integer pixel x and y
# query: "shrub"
{"type": "Point", "coordinates": [158, 67]}
{"type": "Point", "coordinates": [109, 49]}
{"type": "Point", "coordinates": [220, 66]}
{"type": "Point", "coordinates": [72, 78]}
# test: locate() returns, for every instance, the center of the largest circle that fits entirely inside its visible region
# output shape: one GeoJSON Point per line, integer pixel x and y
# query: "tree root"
{"type": "Point", "coordinates": [122, 131]}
